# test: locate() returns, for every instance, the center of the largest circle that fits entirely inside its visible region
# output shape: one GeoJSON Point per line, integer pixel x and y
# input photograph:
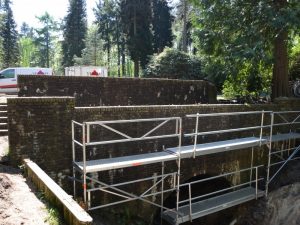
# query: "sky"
{"type": "Point", "coordinates": [27, 10]}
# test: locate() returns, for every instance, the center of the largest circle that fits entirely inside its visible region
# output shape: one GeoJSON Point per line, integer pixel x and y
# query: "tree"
{"type": "Point", "coordinates": [28, 52]}
{"type": "Point", "coordinates": [162, 25]}
{"type": "Point", "coordinates": [105, 13]}
{"type": "Point", "coordinates": [9, 37]}
{"type": "Point", "coordinates": [174, 64]}
{"type": "Point", "coordinates": [253, 35]}
{"type": "Point", "coordinates": [74, 31]}
{"type": "Point", "coordinates": [26, 30]}
{"type": "Point", "coordinates": [45, 38]}
{"type": "Point", "coordinates": [92, 54]}
{"type": "Point", "coordinates": [136, 23]}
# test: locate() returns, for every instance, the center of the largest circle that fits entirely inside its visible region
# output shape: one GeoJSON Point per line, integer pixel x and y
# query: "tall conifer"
{"type": "Point", "coordinates": [162, 25]}
{"type": "Point", "coordinates": [75, 29]}
{"type": "Point", "coordinates": [9, 36]}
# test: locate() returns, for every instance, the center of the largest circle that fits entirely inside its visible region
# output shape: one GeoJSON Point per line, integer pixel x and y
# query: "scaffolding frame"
{"type": "Point", "coordinates": [179, 152]}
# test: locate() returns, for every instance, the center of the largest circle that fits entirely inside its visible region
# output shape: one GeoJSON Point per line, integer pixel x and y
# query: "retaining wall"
{"type": "Point", "coordinates": [103, 91]}
{"type": "Point", "coordinates": [40, 129]}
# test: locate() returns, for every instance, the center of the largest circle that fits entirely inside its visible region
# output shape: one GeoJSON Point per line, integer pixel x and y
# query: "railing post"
{"type": "Point", "coordinates": [261, 127]}
{"type": "Point", "coordinates": [256, 182]}
{"type": "Point", "coordinates": [196, 135]}
{"type": "Point", "coordinates": [162, 191]}
{"type": "Point", "coordinates": [179, 169]}
{"type": "Point", "coordinates": [190, 202]}
{"type": "Point", "coordinates": [270, 151]}
{"type": "Point", "coordinates": [84, 162]}
{"type": "Point", "coordinates": [73, 158]}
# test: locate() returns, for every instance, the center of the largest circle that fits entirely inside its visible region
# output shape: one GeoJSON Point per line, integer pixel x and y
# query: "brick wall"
{"type": "Point", "coordinates": [99, 91]}
{"type": "Point", "coordinates": [40, 128]}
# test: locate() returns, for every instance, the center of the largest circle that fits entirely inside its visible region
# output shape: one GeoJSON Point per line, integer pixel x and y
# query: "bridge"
{"type": "Point", "coordinates": [270, 130]}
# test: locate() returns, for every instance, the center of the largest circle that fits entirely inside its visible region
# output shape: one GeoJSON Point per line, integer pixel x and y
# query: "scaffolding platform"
{"type": "Point", "coordinates": [186, 152]}
{"type": "Point", "coordinates": [212, 205]}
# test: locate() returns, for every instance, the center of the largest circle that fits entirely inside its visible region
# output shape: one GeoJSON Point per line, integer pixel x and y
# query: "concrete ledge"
{"type": "Point", "coordinates": [72, 212]}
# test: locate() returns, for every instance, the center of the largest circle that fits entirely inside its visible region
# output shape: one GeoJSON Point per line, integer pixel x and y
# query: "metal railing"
{"type": "Point", "coordinates": [86, 131]}
{"type": "Point", "coordinates": [287, 119]}
{"type": "Point", "coordinates": [195, 134]}
{"type": "Point", "coordinates": [268, 120]}
{"type": "Point", "coordinates": [191, 199]}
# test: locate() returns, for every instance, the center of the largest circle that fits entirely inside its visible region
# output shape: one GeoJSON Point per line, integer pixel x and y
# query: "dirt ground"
{"type": "Point", "coordinates": [18, 202]}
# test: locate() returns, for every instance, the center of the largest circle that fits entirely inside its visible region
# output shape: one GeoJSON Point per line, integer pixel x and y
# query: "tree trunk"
{"type": "Point", "coordinates": [136, 68]}
{"type": "Point", "coordinates": [123, 56]}
{"type": "Point", "coordinates": [280, 87]}
{"type": "Point", "coordinates": [184, 30]}
{"type": "Point", "coordinates": [136, 61]}
{"type": "Point", "coordinates": [118, 48]}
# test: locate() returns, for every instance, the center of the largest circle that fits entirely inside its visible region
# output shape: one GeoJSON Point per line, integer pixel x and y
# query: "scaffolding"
{"type": "Point", "coordinates": [193, 207]}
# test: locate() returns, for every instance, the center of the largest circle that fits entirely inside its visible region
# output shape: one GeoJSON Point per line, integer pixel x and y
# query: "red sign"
{"type": "Point", "coordinates": [94, 73]}
{"type": "Point", "coordinates": [40, 72]}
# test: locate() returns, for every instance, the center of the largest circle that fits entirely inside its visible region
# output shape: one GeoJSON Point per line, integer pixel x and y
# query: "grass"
{"type": "Point", "coordinates": [54, 217]}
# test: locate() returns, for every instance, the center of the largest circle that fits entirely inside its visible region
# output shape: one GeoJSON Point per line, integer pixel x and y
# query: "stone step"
{"type": "Point", "coordinates": [3, 132]}
{"type": "Point", "coordinates": [3, 126]}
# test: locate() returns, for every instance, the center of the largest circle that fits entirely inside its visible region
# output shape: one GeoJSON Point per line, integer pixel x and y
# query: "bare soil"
{"type": "Point", "coordinates": [18, 201]}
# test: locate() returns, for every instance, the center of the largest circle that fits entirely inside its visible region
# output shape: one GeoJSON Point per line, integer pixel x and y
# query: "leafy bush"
{"type": "Point", "coordinates": [295, 68]}
{"type": "Point", "coordinates": [174, 64]}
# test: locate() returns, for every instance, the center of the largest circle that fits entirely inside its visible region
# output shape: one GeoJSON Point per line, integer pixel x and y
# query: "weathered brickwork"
{"type": "Point", "coordinates": [40, 128]}
{"type": "Point", "coordinates": [98, 91]}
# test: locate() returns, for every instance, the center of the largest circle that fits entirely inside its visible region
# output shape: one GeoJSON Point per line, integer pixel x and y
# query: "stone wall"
{"type": "Point", "coordinates": [40, 129]}
{"type": "Point", "coordinates": [99, 91]}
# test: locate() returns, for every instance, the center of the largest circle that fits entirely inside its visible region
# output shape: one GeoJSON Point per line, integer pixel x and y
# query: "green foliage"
{"type": "Point", "coordinates": [239, 35]}
{"type": "Point", "coordinates": [136, 24]}
{"type": "Point", "coordinates": [28, 52]}
{"type": "Point", "coordinates": [174, 64]}
{"type": "Point", "coordinates": [9, 37]}
{"type": "Point", "coordinates": [92, 53]}
{"type": "Point", "coordinates": [295, 59]}
{"type": "Point", "coordinates": [54, 217]}
{"type": "Point", "coordinates": [74, 32]}
{"type": "Point", "coordinates": [45, 39]}
{"type": "Point", "coordinates": [162, 25]}
{"type": "Point", "coordinates": [250, 82]}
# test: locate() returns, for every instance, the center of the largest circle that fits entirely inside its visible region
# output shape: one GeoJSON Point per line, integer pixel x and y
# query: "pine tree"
{"type": "Point", "coordinates": [162, 25]}
{"type": "Point", "coordinates": [45, 39]}
{"type": "Point", "coordinates": [75, 29]}
{"type": "Point", "coordinates": [105, 13]}
{"type": "Point", "coordinates": [9, 36]}
{"type": "Point", "coordinates": [136, 16]}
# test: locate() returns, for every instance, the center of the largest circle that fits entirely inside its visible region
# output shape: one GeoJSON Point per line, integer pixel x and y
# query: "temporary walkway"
{"type": "Point", "coordinates": [193, 207]}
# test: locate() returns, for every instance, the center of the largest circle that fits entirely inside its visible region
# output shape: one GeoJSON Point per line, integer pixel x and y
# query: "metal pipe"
{"type": "Point", "coordinates": [224, 131]}
{"type": "Point", "coordinates": [77, 142]}
{"type": "Point", "coordinates": [196, 135]}
{"type": "Point", "coordinates": [132, 139]}
{"type": "Point", "coordinates": [162, 189]}
{"type": "Point", "coordinates": [84, 162]}
{"type": "Point", "coordinates": [286, 161]}
{"type": "Point", "coordinates": [269, 154]}
{"type": "Point", "coordinates": [261, 125]}
{"type": "Point", "coordinates": [131, 121]}
{"type": "Point", "coordinates": [190, 202]}
{"type": "Point", "coordinates": [256, 183]}
{"type": "Point", "coordinates": [80, 124]}
{"type": "Point", "coordinates": [220, 191]}
{"type": "Point", "coordinates": [179, 169]}
{"type": "Point", "coordinates": [73, 158]}
{"type": "Point", "coordinates": [221, 175]}
{"type": "Point", "coordinates": [226, 114]}
{"type": "Point", "coordinates": [274, 164]}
